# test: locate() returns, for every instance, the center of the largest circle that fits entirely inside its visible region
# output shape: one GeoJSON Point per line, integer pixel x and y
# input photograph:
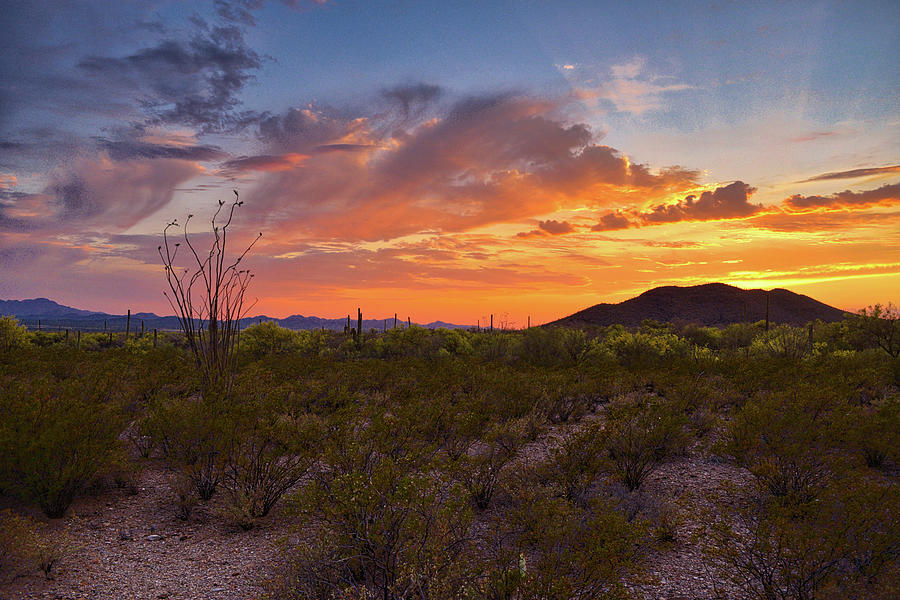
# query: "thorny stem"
{"type": "Point", "coordinates": [211, 293]}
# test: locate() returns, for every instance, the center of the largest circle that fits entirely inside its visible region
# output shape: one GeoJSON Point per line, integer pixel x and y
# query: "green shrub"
{"type": "Point", "coordinates": [543, 546]}
{"type": "Point", "coordinates": [481, 470]}
{"type": "Point", "coordinates": [844, 545]}
{"type": "Point", "coordinates": [576, 463]}
{"type": "Point", "coordinates": [12, 335]}
{"type": "Point", "coordinates": [267, 455]}
{"type": "Point", "coordinates": [783, 341]}
{"type": "Point", "coordinates": [875, 431]}
{"type": "Point", "coordinates": [193, 434]}
{"type": "Point", "coordinates": [879, 327]}
{"type": "Point", "coordinates": [640, 433]}
{"type": "Point", "coordinates": [786, 443]}
{"type": "Point", "coordinates": [55, 437]}
{"type": "Point", "coordinates": [386, 526]}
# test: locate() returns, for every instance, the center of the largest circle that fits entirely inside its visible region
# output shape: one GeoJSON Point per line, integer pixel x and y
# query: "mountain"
{"type": "Point", "coordinates": [47, 314]}
{"type": "Point", "coordinates": [40, 307]}
{"type": "Point", "coordinates": [710, 304]}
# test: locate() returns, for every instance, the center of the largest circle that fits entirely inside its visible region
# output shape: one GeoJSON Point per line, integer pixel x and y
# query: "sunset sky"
{"type": "Point", "coordinates": [449, 160]}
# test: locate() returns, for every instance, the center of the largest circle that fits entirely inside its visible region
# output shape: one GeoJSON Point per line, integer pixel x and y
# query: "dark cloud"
{"type": "Point", "coordinates": [129, 149]}
{"type": "Point", "coordinates": [411, 97]}
{"type": "Point", "coordinates": [305, 129]}
{"type": "Point", "coordinates": [728, 202]}
{"type": "Point", "coordinates": [855, 173]}
{"type": "Point", "coordinates": [343, 147]}
{"type": "Point", "coordinates": [238, 11]}
{"type": "Point", "coordinates": [612, 221]}
{"type": "Point", "coordinates": [556, 227]}
{"type": "Point", "coordinates": [886, 194]}
{"type": "Point", "coordinates": [193, 83]}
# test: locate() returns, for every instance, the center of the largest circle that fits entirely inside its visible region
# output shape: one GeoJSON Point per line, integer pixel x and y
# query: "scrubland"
{"type": "Point", "coordinates": [670, 461]}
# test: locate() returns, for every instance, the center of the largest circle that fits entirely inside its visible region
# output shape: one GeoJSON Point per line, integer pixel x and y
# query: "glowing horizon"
{"type": "Point", "coordinates": [448, 163]}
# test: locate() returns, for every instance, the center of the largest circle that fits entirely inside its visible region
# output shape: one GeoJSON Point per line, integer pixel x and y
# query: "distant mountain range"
{"type": "Point", "coordinates": [51, 315]}
{"type": "Point", "coordinates": [712, 304]}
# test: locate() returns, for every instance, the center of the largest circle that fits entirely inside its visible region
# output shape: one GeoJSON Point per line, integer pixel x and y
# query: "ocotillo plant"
{"type": "Point", "coordinates": [211, 291]}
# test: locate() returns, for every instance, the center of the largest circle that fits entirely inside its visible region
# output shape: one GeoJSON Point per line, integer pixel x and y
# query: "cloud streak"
{"type": "Point", "coordinates": [855, 173]}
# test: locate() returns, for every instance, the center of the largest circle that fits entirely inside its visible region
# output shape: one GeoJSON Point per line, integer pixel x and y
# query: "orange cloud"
{"type": "Point", "coordinates": [490, 160]}
{"type": "Point", "coordinates": [822, 221]}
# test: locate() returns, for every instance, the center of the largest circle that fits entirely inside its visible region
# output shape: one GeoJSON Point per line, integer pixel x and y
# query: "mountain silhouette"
{"type": "Point", "coordinates": [711, 304]}
{"type": "Point", "coordinates": [49, 314]}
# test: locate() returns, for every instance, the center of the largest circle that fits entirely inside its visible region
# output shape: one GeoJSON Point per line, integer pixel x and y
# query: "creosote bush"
{"type": "Point", "coordinates": [639, 434]}
{"type": "Point", "coordinates": [57, 433]}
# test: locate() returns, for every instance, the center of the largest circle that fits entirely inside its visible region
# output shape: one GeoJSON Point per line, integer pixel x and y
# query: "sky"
{"type": "Point", "coordinates": [437, 160]}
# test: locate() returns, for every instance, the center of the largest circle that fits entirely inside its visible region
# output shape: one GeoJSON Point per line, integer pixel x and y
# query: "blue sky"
{"type": "Point", "coordinates": [114, 115]}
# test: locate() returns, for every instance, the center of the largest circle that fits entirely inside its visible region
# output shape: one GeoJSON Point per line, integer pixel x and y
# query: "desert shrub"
{"type": "Point", "coordinates": [267, 338]}
{"type": "Point", "coordinates": [575, 464]}
{"type": "Point", "coordinates": [480, 471]}
{"type": "Point", "coordinates": [56, 436]}
{"type": "Point", "coordinates": [389, 524]}
{"type": "Point", "coordinates": [783, 341]}
{"type": "Point", "coordinates": [785, 442]}
{"type": "Point", "coordinates": [193, 435]}
{"type": "Point", "coordinates": [844, 545]}
{"type": "Point", "coordinates": [12, 335]}
{"type": "Point", "coordinates": [874, 431]}
{"type": "Point", "coordinates": [707, 337]}
{"type": "Point", "coordinates": [267, 455]}
{"type": "Point", "coordinates": [569, 394]}
{"type": "Point", "coordinates": [644, 349]}
{"type": "Point", "coordinates": [640, 433]}
{"type": "Point", "coordinates": [26, 542]}
{"type": "Point", "coordinates": [553, 346]}
{"type": "Point", "coordinates": [542, 546]}
{"type": "Point", "coordinates": [878, 326]}
{"type": "Point", "coordinates": [737, 336]}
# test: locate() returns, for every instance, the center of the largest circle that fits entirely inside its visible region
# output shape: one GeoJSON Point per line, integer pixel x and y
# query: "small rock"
{"type": "Point", "coordinates": [153, 537]}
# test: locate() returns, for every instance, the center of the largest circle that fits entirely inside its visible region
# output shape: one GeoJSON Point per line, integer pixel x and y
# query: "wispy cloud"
{"type": "Point", "coordinates": [855, 173]}
{"type": "Point", "coordinates": [633, 88]}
